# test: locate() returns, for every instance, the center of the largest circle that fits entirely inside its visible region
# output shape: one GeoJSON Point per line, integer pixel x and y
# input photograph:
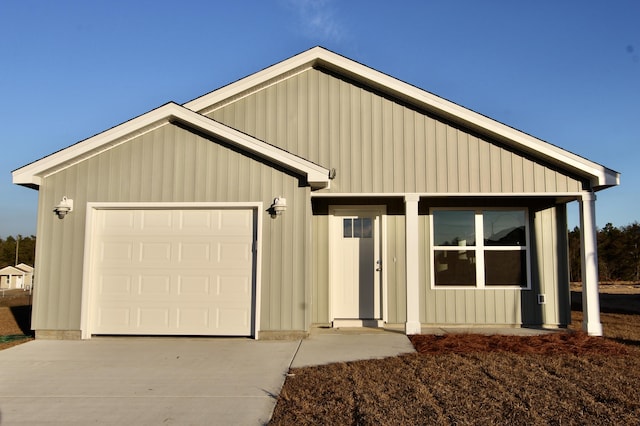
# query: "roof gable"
{"type": "Point", "coordinates": [318, 57]}
{"type": "Point", "coordinates": [377, 144]}
{"type": "Point", "coordinates": [24, 267]}
{"type": "Point", "coordinates": [11, 270]}
{"type": "Point", "coordinates": [31, 175]}
{"type": "Point", "coordinates": [191, 115]}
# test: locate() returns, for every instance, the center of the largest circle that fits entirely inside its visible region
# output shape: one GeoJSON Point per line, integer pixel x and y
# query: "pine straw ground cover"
{"type": "Point", "coordinates": [563, 378]}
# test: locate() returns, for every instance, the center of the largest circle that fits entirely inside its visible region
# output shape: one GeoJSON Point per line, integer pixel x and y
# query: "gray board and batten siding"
{"type": "Point", "coordinates": [171, 164]}
{"type": "Point", "coordinates": [549, 276]}
{"type": "Point", "coordinates": [381, 145]}
{"type": "Point", "coordinates": [378, 144]}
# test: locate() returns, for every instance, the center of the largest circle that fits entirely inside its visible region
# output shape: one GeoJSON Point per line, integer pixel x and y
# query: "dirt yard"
{"type": "Point", "coordinates": [566, 378]}
{"type": "Point", "coordinates": [15, 318]}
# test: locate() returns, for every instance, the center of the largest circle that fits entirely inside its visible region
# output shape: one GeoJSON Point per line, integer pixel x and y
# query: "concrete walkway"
{"type": "Point", "coordinates": [148, 381]}
{"type": "Point", "coordinates": [325, 346]}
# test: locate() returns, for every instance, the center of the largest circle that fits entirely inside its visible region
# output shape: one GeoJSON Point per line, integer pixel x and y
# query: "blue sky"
{"type": "Point", "coordinates": [566, 72]}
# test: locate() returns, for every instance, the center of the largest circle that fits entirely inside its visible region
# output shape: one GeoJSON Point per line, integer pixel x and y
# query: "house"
{"type": "Point", "coordinates": [28, 277]}
{"type": "Point", "coordinates": [19, 276]}
{"type": "Point", "coordinates": [316, 192]}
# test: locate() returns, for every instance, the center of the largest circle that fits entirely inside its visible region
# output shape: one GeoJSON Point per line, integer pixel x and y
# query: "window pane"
{"type": "Point", "coordinates": [455, 267]}
{"type": "Point", "coordinates": [357, 228]}
{"type": "Point", "coordinates": [367, 229]}
{"type": "Point", "coordinates": [347, 226]}
{"type": "Point", "coordinates": [504, 228]}
{"type": "Point", "coordinates": [505, 267]}
{"type": "Point", "coordinates": [454, 228]}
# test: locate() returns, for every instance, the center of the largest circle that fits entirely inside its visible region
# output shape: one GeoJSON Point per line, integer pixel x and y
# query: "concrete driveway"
{"type": "Point", "coordinates": [143, 381]}
{"type": "Point", "coordinates": [193, 381]}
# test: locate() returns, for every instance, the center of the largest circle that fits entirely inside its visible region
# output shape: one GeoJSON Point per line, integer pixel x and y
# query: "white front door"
{"type": "Point", "coordinates": [355, 265]}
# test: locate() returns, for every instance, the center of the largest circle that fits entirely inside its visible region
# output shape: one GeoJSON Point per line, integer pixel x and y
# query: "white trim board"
{"type": "Point", "coordinates": [576, 195]}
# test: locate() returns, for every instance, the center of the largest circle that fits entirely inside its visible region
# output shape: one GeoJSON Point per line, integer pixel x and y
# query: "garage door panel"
{"type": "Point", "coordinates": [194, 252]}
{"type": "Point", "coordinates": [196, 221]}
{"type": "Point", "coordinates": [154, 285]}
{"type": "Point", "coordinates": [122, 220]}
{"type": "Point", "coordinates": [156, 220]}
{"type": "Point", "coordinates": [231, 253]}
{"type": "Point", "coordinates": [114, 285]}
{"type": "Point", "coordinates": [194, 318]}
{"type": "Point", "coordinates": [230, 287]}
{"type": "Point", "coordinates": [114, 317]}
{"type": "Point", "coordinates": [232, 222]}
{"type": "Point", "coordinates": [175, 272]}
{"type": "Point", "coordinates": [153, 318]}
{"type": "Point", "coordinates": [116, 251]}
{"type": "Point", "coordinates": [229, 318]}
{"type": "Point", "coordinates": [155, 251]}
{"type": "Point", "coordinates": [194, 285]}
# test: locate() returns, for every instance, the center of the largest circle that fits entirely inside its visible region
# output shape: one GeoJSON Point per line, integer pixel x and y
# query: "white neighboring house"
{"type": "Point", "coordinates": [19, 276]}
{"type": "Point", "coordinates": [28, 277]}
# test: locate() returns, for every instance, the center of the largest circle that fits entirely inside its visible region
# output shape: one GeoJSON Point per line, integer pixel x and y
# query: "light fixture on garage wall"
{"type": "Point", "coordinates": [64, 206]}
{"type": "Point", "coordinates": [278, 206]}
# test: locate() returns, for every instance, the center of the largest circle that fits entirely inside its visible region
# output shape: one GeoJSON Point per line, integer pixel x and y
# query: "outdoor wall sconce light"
{"type": "Point", "coordinates": [278, 207]}
{"type": "Point", "coordinates": [65, 206]}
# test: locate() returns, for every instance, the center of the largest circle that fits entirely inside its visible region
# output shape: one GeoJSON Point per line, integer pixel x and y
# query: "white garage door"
{"type": "Point", "coordinates": [187, 272]}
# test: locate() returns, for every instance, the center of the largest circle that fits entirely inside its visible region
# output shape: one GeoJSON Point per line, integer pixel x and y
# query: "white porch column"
{"type": "Point", "coordinates": [412, 260]}
{"type": "Point", "coordinates": [589, 257]}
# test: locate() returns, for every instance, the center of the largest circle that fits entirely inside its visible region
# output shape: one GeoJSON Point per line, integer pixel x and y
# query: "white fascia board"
{"type": "Point", "coordinates": [30, 175]}
{"type": "Point", "coordinates": [307, 58]}
{"type": "Point", "coordinates": [599, 175]}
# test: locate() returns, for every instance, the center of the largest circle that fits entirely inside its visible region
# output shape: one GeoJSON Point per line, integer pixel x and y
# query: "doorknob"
{"type": "Point", "coordinates": [378, 266]}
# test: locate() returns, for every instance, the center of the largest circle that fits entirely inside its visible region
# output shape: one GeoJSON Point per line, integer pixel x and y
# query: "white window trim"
{"type": "Point", "coordinates": [480, 249]}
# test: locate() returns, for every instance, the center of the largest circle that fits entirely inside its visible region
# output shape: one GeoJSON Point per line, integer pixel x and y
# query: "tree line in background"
{"type": "Point", "coordinates": [26, 250]}
{"type": "Point", "coordinates": [618, 253]}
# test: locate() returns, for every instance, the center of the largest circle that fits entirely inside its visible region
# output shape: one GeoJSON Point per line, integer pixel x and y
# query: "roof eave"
{"type": "Point", "coordinates": [599, 176]}
{"type": "Point", "coordinates": [31, 174]}
{"type": "Point", "coordinates": [606, 179]}
{"type": "Point", "coordinates": [316, 175]}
